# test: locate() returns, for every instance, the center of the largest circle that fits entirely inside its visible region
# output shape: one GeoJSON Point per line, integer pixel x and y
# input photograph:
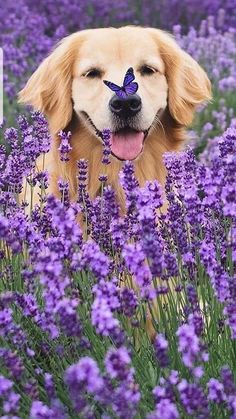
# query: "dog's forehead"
{"type": "Point", "coordinates": [110, 45]}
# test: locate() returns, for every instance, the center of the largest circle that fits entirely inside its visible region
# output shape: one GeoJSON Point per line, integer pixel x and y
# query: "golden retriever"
{"type": "Point", "coordinates": [68, 88]}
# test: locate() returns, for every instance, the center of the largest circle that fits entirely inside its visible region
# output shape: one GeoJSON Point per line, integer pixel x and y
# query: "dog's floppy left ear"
{"type": "Point", "coordinates": [49, 88]}
{"type": "Point", "coordinates": [188, 83]}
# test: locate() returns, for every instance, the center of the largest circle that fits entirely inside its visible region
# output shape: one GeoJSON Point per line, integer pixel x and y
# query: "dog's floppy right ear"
{"type": "Point", "coordinates": [49, 88]}
{"type": "Point", "coordinates": [188, 83]}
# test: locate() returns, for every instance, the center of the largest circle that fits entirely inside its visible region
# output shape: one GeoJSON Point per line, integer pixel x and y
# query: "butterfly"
{"type": "Point", "coordinates": [129, 86]}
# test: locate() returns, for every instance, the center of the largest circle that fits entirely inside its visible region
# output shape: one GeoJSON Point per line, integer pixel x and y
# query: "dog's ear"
{"type": "Point", "coordinates": [188, 83]}
{"type": "Point", "coordinates": [49, 88]}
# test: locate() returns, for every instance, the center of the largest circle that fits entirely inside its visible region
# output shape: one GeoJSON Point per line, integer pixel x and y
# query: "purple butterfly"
{"type": "Point", "coordinates": [129, 87]}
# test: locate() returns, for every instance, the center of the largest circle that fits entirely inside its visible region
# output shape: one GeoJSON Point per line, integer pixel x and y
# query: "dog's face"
{"type": "Point", "coordinates": [129, 119]}
{"type": "Point", "coordinates": [71, 78]}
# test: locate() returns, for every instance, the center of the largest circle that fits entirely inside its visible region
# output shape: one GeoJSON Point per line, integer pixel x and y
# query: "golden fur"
{"type": "Point", "coordinates": [61, 91]}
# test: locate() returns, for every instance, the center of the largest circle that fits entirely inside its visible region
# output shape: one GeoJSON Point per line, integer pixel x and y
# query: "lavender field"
{"type": "Point", "coordinates": [77, 307]}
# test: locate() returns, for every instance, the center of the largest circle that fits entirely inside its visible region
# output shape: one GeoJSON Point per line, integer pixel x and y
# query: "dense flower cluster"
{"type": "Point", "coordinates": [85, 304]}
{"type": "Point", "coordinates": [214, 48]}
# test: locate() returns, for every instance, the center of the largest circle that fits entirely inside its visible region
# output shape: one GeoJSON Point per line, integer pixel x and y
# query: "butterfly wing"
{"type": "Point", "coordinates": [121, 94]}
{"type": "Point", "coordinates": [112, 86]}
{"type": "Point", "coordinates": [131, 89]}
{"type": "Point", "coordinates": [119, 91]}
{"type": "Point", "coordinates": [129, 77]}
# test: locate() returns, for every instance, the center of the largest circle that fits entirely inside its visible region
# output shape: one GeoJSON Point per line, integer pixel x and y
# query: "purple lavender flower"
{"type": "Point", "coordinates": [230, 311]}
{"type": "Point", "coordinates": [31, 389]}
{"type": "Point", "coordinates": [128, 301]}
{"type": "Point", "coordinates": [39, 410]}
{"type": "Point", "coordinates": [11, 136]}
{"type": "Point", "coordinates": [216, 391]}
{"type": "Point", "coordinates": [129, 184]}
{"type": "Point", "coordinates": [63, 187]}
{"type": "Point", "coordinates": [106, 135]}
{"type": "Point", "coordinates": [4, 226]}
{"type": "Point", "coordinates": [126, 396]}
{"type": "Point", "coordinates": [41, 178]}
{"type": "Point", "coordinates": [65, 146]}
{"type": "Point", "coordinates": [10, 398]}
{"type": "Point", "coordinates": [11, 404]}
{"type": "Point", "coordinates": [86, 373]}
{"type": "Point", "coordinates": [82, 178]}
{"type": "Point", "coordinates": [117, 363]}
{"type": "Point", "coordinates": [135, 261]}
{"type": "Point", "coordinates": [5, 385]}
{"type": "Point", "coordinates": [11, 331]}
{"type": "Point", "coordinates": [110, 203]}
{"type": "Point", "coordinates": [103, 319]}
{"type": "Point", "coordinates": [189, 344]}
{"type": "Point", "coordinates": [227, 380]}
{"type": "Point", "coordinates": [165, 395]}
{"type": "Point", "coordinates": [68, 318]}
{"type": "Point", "coordinates": [193, 399]}
{"type": "Point", "coordinates": [98, 263]}
{"type": "Point", "coordinates": [49, 385]}
{"type": "Point", "coordinates": [195, 319]}
{"type": "Point", "coordinates": [13, 362]}
{"type": "Point", "coordinates": [165, 409]}
{"type": "Point", "coordinates": [81, 378]}
{"type": "Point", "coordinates": [161, 349]}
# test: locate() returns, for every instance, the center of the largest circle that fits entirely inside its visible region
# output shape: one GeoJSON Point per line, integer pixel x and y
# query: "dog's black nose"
{"type": "Point", "coordinates": [127, 107]}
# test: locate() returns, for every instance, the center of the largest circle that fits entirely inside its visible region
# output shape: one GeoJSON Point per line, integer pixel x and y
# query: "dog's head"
{"type": "Point", "coordinates": [71, 80]}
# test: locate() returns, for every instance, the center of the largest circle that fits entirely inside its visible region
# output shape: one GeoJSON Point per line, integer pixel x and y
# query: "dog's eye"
{"type": "Point", "coordinates": [145, 70]}
{"type": "Point", "coordinates": [93, 73]}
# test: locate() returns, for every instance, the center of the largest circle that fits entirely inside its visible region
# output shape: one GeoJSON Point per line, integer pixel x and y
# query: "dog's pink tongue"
{"type": "Point", "coordinates": [127, 146]}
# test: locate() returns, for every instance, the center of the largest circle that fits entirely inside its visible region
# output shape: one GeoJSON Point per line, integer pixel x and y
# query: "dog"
{"type": "Point", "coordinates": [68, 88]}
